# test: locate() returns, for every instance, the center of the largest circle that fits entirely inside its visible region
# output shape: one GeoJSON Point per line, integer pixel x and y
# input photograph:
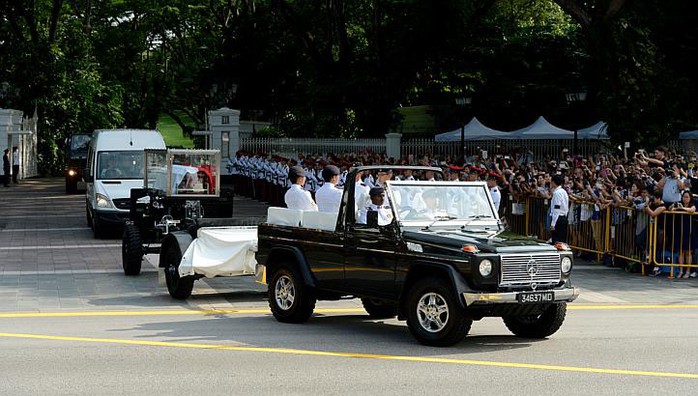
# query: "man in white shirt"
{"type": "Point", "coordinates": [296, 197]}
{"type": "Point", "coordinates": [559, 207]}
{"type": "Point", "coordinates": [385, 215]}
{"type": "Point", "coordinates": [361, 190]}
{"type": "Point", "coordinates": [494, 189]}
{"type": "Point", "coordinates": [328, 197]}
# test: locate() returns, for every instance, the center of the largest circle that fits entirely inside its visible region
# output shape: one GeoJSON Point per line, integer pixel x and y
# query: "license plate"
{"type": "Point", "coordinates": [535, 298]}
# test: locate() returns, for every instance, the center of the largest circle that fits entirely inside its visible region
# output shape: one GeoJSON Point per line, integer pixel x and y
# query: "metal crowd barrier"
{"type": "Point", "coordinates": [625, 233]}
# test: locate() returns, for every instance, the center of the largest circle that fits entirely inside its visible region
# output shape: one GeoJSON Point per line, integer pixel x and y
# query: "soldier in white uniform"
{"type": "Point", "coordinates": [494, 189]}
{"type": "Point", "coordinates": [385, 215]}
{"type": "Point", "coordinates": [328, 197]}
{"type": "Point", "coordinates": [296, 197]}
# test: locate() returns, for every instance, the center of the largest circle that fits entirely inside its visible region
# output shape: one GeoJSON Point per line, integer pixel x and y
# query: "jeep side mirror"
{"type": "Point", "coordinates": [86, 175]}
{"type": "Point", "coordinates": [372, 219]}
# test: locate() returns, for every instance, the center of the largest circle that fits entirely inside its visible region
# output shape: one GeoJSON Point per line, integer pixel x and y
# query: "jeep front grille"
{"type": "Point", "coordinates": [526, 269]}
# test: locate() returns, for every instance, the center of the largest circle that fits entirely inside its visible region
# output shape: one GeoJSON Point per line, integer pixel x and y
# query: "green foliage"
{"type": "Point", "coordinates": [346, 68]}
{"type": "Point", "coordinates": [172, 132]}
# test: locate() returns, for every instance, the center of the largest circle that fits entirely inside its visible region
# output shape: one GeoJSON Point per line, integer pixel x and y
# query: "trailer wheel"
{"type": "Point", "coordinates": [180, 287]}
{"type": "Point", "coordinates": [131, 250]}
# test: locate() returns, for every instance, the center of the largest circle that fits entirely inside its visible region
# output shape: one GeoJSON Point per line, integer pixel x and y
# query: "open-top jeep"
{"type": "Point", "coordinates": [440, 264]}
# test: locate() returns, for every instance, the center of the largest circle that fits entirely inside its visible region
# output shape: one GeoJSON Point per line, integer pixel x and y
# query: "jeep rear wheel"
{"type": "Point", "coordinates": [179, 287]}
{"type": "Point", "coordinates": [538, 326]}
{"type": "Point", "coordinates": [434, 316]}
{"type": "Point", "coordinates": [290, 299]}
{"type": "Point", "coordinates": [378, 309]}
{"type": "Point", "coordinates": [131, 250]}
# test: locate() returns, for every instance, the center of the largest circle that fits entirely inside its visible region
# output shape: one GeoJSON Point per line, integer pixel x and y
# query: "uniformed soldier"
{"type": "Point", "coordinates": [329, 197]}
{"type": "Point", "coordinates": [385, 214]}
{"type": "Point", "coordinates": [296, 197]}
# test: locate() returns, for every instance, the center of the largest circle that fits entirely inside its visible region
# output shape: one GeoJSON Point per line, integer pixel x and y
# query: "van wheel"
{"type": "Point", "coordinates": [97, 228]}
{"type": "Point", "coordinates": [179, 287]}
{"type": "Point", "coordinates": [290, 299]}
{"type": "Point", "coordinates": [88, 216]}
{"type": "Point", "coordinates": [131, 250]}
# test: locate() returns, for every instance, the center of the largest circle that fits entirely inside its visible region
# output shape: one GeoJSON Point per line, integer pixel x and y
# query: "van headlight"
{"type": "Point", "coordinates": [104, 202]}
{"type": "Point", "coordinates": [485, 268]}
{"type": "Point", "coordinates": [566, 265]}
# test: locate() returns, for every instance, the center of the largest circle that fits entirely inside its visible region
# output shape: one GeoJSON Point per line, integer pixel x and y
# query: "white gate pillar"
{"type": "Point", "coordinates": [392, 145]}
{"type": "Point", "coordinates": [224, 125]}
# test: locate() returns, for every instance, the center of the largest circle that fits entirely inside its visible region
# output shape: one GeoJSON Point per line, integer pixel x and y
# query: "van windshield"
{"type": "Point", "coordinates": [119, 165]}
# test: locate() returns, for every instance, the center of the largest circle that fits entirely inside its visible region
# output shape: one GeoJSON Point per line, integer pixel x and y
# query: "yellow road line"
{"type": "Point", "coordinates": [162, 313]}
{"type": "Point", "coordinates": [289, 351]}
{"type": "Point", "coordinates": [167, 312]}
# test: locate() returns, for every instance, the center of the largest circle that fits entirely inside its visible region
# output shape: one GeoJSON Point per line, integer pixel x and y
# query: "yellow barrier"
{"type": "Point", "coordinates": [672, 243]}
{"type": "Point", "coordinates": [621, 232]}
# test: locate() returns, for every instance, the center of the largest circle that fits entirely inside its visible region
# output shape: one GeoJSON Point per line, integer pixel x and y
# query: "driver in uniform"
{"type": "Point", "coordinates": [385, 214]}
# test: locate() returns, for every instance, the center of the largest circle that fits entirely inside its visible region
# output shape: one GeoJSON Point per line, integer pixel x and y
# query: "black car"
{"type": "Point", "coordinates": [440, 263]}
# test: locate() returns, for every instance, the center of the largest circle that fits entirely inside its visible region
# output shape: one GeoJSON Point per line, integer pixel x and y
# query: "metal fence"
{"type": "Point", "coordinates": [622, 233]}
{"type": "Point", "coordinates": [291, 147]}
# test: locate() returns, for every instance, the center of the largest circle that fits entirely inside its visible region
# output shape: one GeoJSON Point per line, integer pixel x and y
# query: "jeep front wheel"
{"type": "Point", "coordinates": [378, 309]}
{"type": "Point", "coordinates": [434, 316]}
{"type": "Point", "coordinates": [290, 299]}
{"type": "Point", "coordinates": [538, 326]}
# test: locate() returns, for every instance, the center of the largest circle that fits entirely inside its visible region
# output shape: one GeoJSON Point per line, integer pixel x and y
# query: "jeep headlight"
{"type": "Point", "coordinates": [485, 268]}
{"type": "Point", "coordinates": [104, 202]}
{"type": "Point", "coordinates": [566, 264]}
{"type": "Point", "coordinates": [72, 172]}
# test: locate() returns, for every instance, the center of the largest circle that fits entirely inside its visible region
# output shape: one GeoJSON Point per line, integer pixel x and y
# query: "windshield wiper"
{"type": "Point", "coordinates": [439, 218]}
{"type": "Point", "coordinates": [473, 218]}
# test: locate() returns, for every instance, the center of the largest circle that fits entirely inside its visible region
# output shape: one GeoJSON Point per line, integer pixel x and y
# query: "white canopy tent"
{"type": "Point", "coordinates": [542, 129]}
{"type": "Point", "coordinates": [596, 131]}
{"type": "Point", "coordinates": [688, 135]}
{"type": "Point", "coordinates": [474, 130]}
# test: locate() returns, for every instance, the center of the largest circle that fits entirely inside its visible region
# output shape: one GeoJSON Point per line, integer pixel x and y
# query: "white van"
{"type": "Point", "coordinates": [114, 167]}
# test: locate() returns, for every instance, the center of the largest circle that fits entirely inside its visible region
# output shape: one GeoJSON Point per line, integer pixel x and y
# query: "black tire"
{"type": "Point", "coordinates": [71, 186]}
{"type": "Point", "coordinates": [538, 326]}
{"type": "Point", "coordinates": [131, 250]}
{"type": "Point", "coordinates": [434, 316]}
{"type": "Point", "coordinates": [88, 216]}
{"type": "Point", "coordinates": [179, 287]}
{"type": "Point", "coordinates": [290, 299]}
{"type": "Point", "coordinates": [378, 309]}
{"type": "Point", "coordinates": [97, 228]}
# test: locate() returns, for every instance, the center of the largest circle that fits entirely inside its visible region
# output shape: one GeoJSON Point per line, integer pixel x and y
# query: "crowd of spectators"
{"type": "Point", "coordinates": [648, 182]}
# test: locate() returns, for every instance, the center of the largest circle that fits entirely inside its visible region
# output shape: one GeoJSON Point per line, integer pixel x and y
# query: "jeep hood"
{"type": "Point", "coordinates": [486, 242]}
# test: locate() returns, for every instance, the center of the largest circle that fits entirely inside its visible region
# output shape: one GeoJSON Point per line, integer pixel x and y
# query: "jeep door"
{"type": "Point", "coordinates": [370, 260]}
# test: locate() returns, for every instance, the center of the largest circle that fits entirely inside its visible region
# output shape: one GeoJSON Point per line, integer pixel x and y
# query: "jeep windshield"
{"type": "Point", "coordinates": [443, 203]}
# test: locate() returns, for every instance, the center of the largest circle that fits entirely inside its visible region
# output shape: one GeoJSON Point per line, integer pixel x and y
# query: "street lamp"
{"type": "Point", "coordinates": [574, 97]}
{"type": "Point", "coordinates": [462, 102]}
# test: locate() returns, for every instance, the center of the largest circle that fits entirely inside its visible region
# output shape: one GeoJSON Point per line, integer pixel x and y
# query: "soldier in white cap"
{"type": "Point", "coordinates": [328, 196]}
{"type": "Point", "coordinates": [385, 215]}
{"type": "Point", "coordinates": [296, 197]}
